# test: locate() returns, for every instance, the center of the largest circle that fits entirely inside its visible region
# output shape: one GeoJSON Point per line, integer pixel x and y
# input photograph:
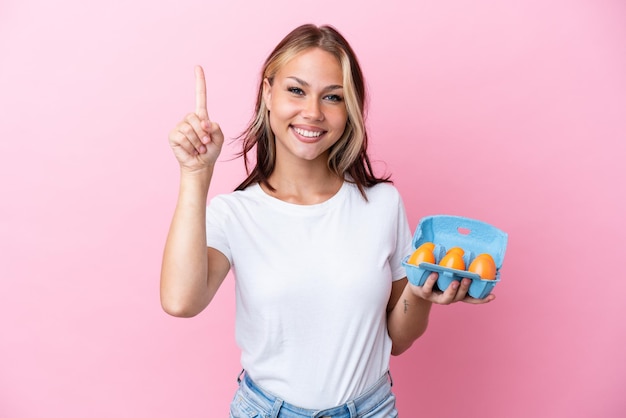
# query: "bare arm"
{"type": "Point", "coordinates": [407, 316]}
{"type": "Point", "coordinates": [191, 273]}
{"type": "Point", "coordinates": [409, 308]}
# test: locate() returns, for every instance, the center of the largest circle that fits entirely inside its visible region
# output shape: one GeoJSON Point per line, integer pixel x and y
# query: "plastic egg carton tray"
{"type": "Point", "coordinates": [473, 236]}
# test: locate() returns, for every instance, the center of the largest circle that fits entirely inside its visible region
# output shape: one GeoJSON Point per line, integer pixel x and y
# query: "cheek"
{"type": "Point", "coordinates": [339, 119]}
{"type": "Point", "coordinates": [282, 109]}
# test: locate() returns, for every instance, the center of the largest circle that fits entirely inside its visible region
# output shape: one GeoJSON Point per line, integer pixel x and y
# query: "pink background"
{"type": "Point", "coordinates": [512, 112]}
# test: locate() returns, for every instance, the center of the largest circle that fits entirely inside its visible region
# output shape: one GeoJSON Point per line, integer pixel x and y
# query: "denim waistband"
{"type": "Point", "coordinates": [353, 408]}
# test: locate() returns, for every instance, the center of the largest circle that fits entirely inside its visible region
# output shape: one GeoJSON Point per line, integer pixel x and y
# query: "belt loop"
{"type": "Point", "coordinates": [390, 378]}
{"type": "Point", "coordinates": [352, 409]}
{"type": "Point", "coordinates": [239, 377]}
{"type": "Point", "coordinates": [278, 404]}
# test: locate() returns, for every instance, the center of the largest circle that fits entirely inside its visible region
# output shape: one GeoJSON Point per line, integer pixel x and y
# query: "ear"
{"type": "Point", "coordinates": [267, 93]}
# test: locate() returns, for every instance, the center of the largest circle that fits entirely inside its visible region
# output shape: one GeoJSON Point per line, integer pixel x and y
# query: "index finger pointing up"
{"type": "Point", "coordinates": [201, 110]}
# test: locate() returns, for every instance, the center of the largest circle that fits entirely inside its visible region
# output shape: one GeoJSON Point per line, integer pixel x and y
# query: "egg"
{"type": "Point", "coordinates": [453, 260]}
{"type": "Point", "coordinates": [484, 266]}
{"type": "Point", "coordinates": [458, 250]}
{"type": "Point", "coordinates": [423, 254]}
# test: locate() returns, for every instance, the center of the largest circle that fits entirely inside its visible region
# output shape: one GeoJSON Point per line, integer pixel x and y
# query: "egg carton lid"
{"type": "Point", "coordinates": [457, 231]}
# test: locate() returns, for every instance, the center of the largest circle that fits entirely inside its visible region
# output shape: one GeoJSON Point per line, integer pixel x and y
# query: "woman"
{"type": "Point", "coordinates": [314, 238]}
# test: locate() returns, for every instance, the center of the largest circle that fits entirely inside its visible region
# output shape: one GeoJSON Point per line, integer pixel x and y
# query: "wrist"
{"type": "Point", "coordinates": [198, 172]}
{"type": "Point", "coordinates": [195, 181]}
{"type": "Point", "coordinates": [414, 298]}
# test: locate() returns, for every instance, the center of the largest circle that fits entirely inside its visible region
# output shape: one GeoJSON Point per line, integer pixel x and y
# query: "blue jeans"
{"type": "Point", "coordinates": [251, 401]}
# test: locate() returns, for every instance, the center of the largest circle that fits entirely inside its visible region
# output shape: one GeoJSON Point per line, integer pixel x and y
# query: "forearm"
{"type": "Point", "coordinates": [408, 320]}
{"type": "Point", "coordinates": [184, 287]}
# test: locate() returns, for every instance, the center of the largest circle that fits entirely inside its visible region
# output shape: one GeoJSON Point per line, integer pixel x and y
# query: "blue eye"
{"type": "Point", "coordinates": [334, 98]}
{"type": "Point", "coordinates": [295, 90]}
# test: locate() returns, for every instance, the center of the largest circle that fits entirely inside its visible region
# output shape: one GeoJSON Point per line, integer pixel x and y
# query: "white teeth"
{"type": "Point", "coordinates": [308, 134]}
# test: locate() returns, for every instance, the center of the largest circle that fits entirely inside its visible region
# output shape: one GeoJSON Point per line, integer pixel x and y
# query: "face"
{"type": "Point", "coordinates": [306, 103]}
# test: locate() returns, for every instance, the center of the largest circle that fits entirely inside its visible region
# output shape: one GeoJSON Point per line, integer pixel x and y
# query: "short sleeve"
{"type": "Point", "coordinates": [403, 242]}
{"type": "Point", "coordinates": [216, 222]}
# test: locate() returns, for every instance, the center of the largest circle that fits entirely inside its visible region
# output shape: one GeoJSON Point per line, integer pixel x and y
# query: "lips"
{"type": "Point", "coordinates": [308, 135]}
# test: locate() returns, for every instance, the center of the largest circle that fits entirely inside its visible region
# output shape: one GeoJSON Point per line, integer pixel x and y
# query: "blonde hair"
{"type": "Point", "coordinates": [347, 157]}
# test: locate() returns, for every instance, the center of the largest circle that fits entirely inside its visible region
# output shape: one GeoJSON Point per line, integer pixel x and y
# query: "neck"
{"type": "Point", "coordinates": [304, 184]}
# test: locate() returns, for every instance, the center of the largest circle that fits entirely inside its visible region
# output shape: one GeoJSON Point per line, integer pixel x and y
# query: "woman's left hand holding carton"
{"type": "Point", "coordinates": [456, 292]}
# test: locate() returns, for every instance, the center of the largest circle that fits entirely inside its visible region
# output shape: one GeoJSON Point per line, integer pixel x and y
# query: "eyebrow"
{"type": "Point", "coordinates": [305, 84]}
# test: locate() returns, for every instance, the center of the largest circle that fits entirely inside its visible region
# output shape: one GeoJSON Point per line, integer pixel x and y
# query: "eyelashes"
{"type": "Point", "coordinates": [334, 98]}
{"type": "Point", "coordinates": [297, 91]}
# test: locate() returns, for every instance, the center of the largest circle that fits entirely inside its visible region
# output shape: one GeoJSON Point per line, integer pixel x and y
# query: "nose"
{"type": "Point", "coordinates": [313, 110]}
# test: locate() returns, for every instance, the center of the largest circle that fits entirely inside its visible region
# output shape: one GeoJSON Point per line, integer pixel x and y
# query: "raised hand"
{"type": "Point", "coordinates": [196, 140]}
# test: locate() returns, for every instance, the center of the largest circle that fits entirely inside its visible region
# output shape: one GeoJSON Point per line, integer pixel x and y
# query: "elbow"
{"type": "Point", "coordinates": [397, 349]}
{"type": "Point", "coordinates": [400, 346]}
{"type": "Point", "coordinates": [181, 302]}
{"type": "Point", "coordinates": [178, 308]}
{"type": "Point", "coordinates": [178, 311]}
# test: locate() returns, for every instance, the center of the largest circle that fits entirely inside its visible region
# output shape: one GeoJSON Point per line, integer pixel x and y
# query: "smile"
{"type": "Point", "coordinates": [307, 134]}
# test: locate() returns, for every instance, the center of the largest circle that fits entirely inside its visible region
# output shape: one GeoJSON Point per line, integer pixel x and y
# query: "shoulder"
{"type": "Point", "coordinates": [382, 197]}
{"type": "Point", "coordinates": [383, 192]}
{"type": "Point", "coordinates": [236, 199]}
{"type": "Point", "coordinates": [249, 193]}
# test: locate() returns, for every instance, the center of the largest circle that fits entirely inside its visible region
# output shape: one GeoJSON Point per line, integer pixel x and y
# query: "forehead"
{"type": "Point", "coordinates": [313, 64]}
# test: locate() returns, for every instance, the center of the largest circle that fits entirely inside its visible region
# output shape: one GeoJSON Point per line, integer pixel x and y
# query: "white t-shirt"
{"type": "Point", "coordinates": [312, 286]}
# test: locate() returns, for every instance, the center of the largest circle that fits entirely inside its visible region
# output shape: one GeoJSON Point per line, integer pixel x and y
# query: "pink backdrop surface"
{"type": "Point", "coordinates": [506, 111]}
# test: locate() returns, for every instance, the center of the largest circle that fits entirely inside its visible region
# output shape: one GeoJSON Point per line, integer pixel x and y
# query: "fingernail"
{"type": "Point", "coordinates": [202, 149]}
{"type": "Point", "coordinates": [205, 140]}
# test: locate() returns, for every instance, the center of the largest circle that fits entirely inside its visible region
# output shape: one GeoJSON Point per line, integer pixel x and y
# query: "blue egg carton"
{"type": "Point", "coordinates": [473, 236]}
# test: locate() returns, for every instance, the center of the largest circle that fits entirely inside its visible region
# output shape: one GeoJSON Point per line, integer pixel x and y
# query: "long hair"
{"type": "Point", "coordinates": [348, 157]}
